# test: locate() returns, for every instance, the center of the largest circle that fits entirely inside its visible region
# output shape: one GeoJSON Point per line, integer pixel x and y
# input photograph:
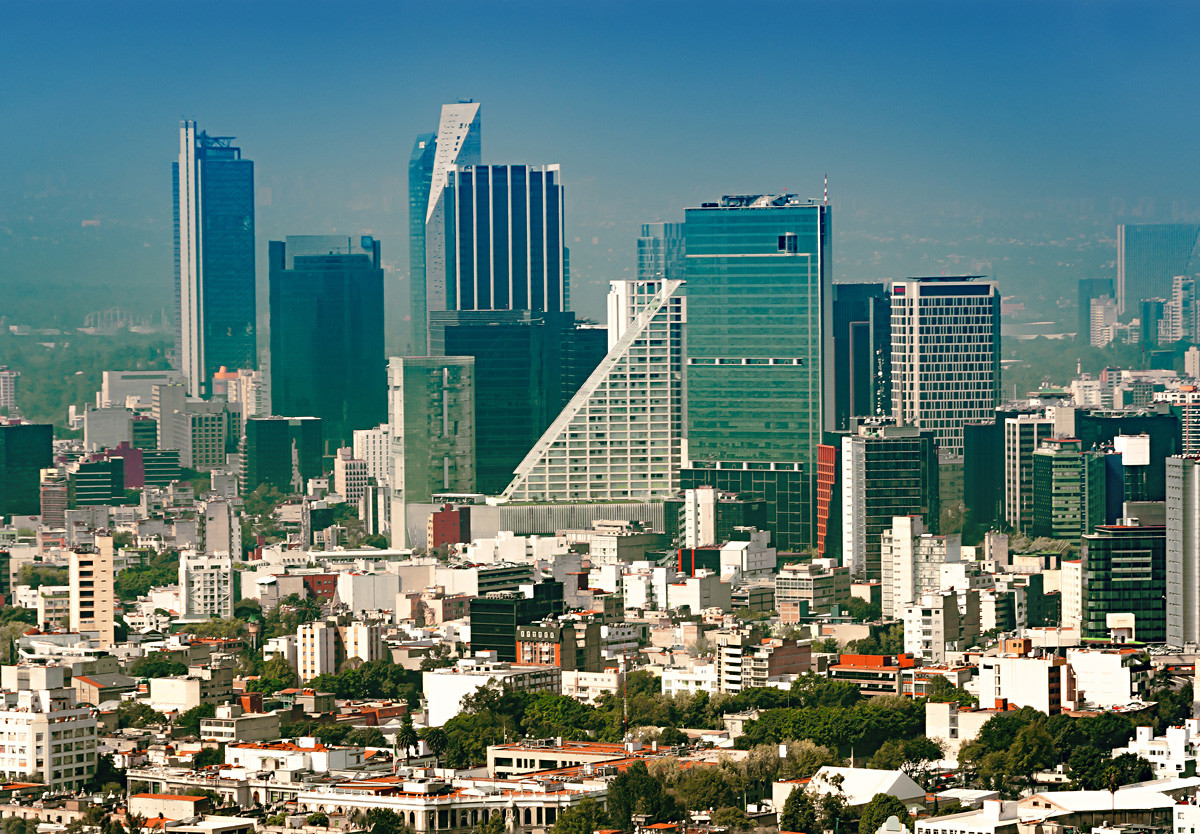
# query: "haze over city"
{"type": "Point", "coordinates": [1000, 138]}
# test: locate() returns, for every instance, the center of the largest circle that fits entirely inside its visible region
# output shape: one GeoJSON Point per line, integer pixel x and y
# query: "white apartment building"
{"type": "Point", "coordinates": [1183, 551]}
{"type": "Point", "coordinates": [350, 476]}
{"type": "Point", "coordinates": [368, 591]}
{"type": "Point", "coordinates": [221, 529]}
{"type": "Point", "coordinates": [911, 561]}
{"type": "Point", "coordinates": [53, 606]}
{"type": "Point", "coordinates": [1022, 437]}
{"type": "Point", "coordinates": [953, 725]}
{"type": "Point", "coordinates": [364, 641]}
{"type": "Point", "coordinates": [43, 733]}
{"type": "Point", "coordinates": [206, 585]}
{"type": "Point", "coordinates": [373, 446]}
{"type": "Point", "coordinates": [700, 592]}
{"type": "Point", "coordinates": [940, 622]}
{"type": "Point", "coordinates": [749, 554]}
{"type": "Point", "coordinates": [316, 650]}
{"type": "Point", "coordinates": [445, 688]}
{"type": "Point", "coordinates": [1023, 680]}
{"type": "Point", "coordinates": [945, 355]}
{"type": "Point", "coordinates": [589, 687]}
{"type": "Point", "coordinates": [1187, 399]}
{"type": "Point", "coordinates": [1109, 677]}
{"type": "Point", "coordinates": [1172, 755]}
{"type": "Point", "coordinates": [699, 677]}
{"type": "Point", "coordinates": [91, 592]}
{"type": "Point", "coordinates": [284, 646]}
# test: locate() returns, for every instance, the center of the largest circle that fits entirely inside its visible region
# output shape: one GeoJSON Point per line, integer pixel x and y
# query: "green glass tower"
{"type": "Point", "coordinates": [758, 335]}
{"type": "Point", "coordinates": [1125, 572]}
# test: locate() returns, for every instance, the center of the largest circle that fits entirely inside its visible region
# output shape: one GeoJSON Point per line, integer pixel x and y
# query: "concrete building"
{"type": "Point", "coordinates": [201, 685]}
{"type": "Point", "coordinates": [936, 624]}
{"type": "Point", "coordinates": [701, 592]}
{"type": "Point", "coordinates": [1018, 678]}
{"type": "Point", "coordinates": [1071, 594]}
{"type": "Point", "coordinates": [363, 641]}
{"type": "Point", "coordinates": [374, 446]}
{"type": "Point", "coordinates": [53, 607]}
{"type": "Point", "coordinates": [197, 428]}
{"type": "Point", "coordinates": [368, 591]}
{"type": "Point", "coordinates": [802, 589]}
{"type": "Point", "coordinates": [231, 724]}
{"type": "Point", "coordinates": [1183, 551]}
{"type": "Point", "coordinates": [953, 725]}
{"type": "Point", "coordinates": [91, 592]}
{"type": "Point", "coordinates": [208, 585]}
{"type": "Point", "coordinates": [47, 734]}
{"type": "Point", "coordinates": [220, 528]}
{"type": "Point", "coordinates": [745, 659]}
{"type": "Point", "coordinates": [1023, 434]}
{"type": "Point", "coordinates": [912, 561]}
{"type": "Point", "coordinates": [1108, 678]}
{"type": "Point", "coordinates": [699, 677]}
{"type": "Point", "coordinates": [318, 650]}
{"type": "Point", "coordinates": [350, 475]}
{"type": "Point", "coordinates": [1173, 755]}
{"type": "Point", "coordinates": [590, 687]}
{"type": "Point", "coordinates": [445, 689]}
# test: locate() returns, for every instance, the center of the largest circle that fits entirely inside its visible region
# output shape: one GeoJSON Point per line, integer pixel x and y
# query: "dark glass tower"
{"type": "Point", "coordinates": [758, 332]}
{"type": "Point", "coordinates": [862, 352]}
{"type": "Point", "coordinates": [420, 174]}
{"type": "Point", "coordinates": [214, 258]}
{"type": "Point", "coordinates": [327, 352]}
{"type": "Point", "coordinates": [25, 450]}
{"type": "Point", "coordinates": [1149, 255]}
{"type": "Point", "coordinates": [1125, 572]}
{"type": "Point", "coordinates": [281, 451]}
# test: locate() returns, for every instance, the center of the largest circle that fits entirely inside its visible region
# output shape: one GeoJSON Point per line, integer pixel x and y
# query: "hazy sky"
{"type": "Point", "coordinates": [1002, 136]}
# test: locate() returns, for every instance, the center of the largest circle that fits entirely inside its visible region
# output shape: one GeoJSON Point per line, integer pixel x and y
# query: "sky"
{"type": "Point", "coordinates": [1003, 138]}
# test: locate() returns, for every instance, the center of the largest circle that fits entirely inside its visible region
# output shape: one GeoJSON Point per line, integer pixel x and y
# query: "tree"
{"type": "Point", "coordinates": [137, 714]}
{"type": "Point", "coordinates": [731, 818]}
{"type": "Point", "coordinates": [804, 758]}
{"type": "Point", "coordinates": [435, 739]}
{"type": "Point", "coordinates": [798, 812]}
{"type": "Point", "coordinates": [209, 756]}
{"type": "Point", "coordinates": [406, 737]}
{"type": "Point", "coordinates": [912, 755]}
{"type": "Point", "coordinates": [876, 812]}
{"type": "Point", "coordinates": [942, 691]}
{"type": "Point", "coordinates": [366, 737]}
{"type": "Point", "coordinates": [386, 821]}
{"type": "Point", "coordinates": [861, 610]}
{"type": "Point", "coordinates": [705, 788]}
{"type": "Point", "coordinates": [1032, 750]}
{"type": "Point", "coordinates": [584, 818]}
{"type": "Point", "coordinates": [637, 792]}
{"type": "Point", "coordinates": [156, 665]}
{"type": "Point", "coordinates": [190, 720]}
{"type": "Point", "coordinates": [491, 824]}
{"type": "Point", "coordinates": [318, 819]}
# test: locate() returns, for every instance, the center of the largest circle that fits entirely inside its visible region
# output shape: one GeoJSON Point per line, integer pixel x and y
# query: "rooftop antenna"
{"type": "Point", "coordinates": [827, 188]}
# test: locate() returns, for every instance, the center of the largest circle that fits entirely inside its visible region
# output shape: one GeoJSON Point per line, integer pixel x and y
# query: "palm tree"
{"type": "Point", "coordinates": [406, 737]}
{"type": "Point", "coordinates": [436, 738]}
{"type": "Point", "coordinates": [309, 609]}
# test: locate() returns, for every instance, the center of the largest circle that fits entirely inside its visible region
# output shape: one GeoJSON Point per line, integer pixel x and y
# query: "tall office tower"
{"type": "Point", "coordinates": [503, 241]}
{"type": "Point", "coordinates": [1097, 428]}
{"type": "Point", "coordinates": [1151, 318]}
{"type": "Point", "coordinates": [214, 257]}
{"type": "Point", "coordinates": [1183, 551]}
{"type": "Point", "coordinates": [758, 340]}
{"type": "Point", "coordinates": [911, 559]}
{"type": "Point", "coordinates": [1068, 490]}
{"type": "Point", "coordinates": [887, 471]}
{"type": "Point", "coordinates": [1185, 404]}
{"type": "Point", "coordinates": [983, 457]}
{"type": "Point", "coordinates": [457, 142]}
{"type": "Point", "coordinates": [327, 354]}
{"type": "Point", "coordinates": [1102, 321]}
{"type": "Point", "coordinates": [25, 450]}
{"type": "Point", "coordinates": [92, 598]}
{"type": "Point", "coordinates": [1125, 575]}
{"type": "Point", "coordinates": [862, 352]}
{"type": "Point", "coordinates": [620, 435]}
{"type": "Point", "coordinates": [660, 252]}
{"type": "Point", "coordinates": [528, 366]}
{"type": "Point", "coordinates": [945, 355]}
{"type": "Point", "coordinates": [375, 447]}
{"type": "Point", "coordinates": [1023, 434]}
{"type": "Point", "coordinates": [283, 452]}
{"type": "Point", "coordinates": [431, 413]}
{"type": "Point", "coordinates": [1089, 289]}
{"type": "Point", "coordinates": [1179, 313]}
{"type": "Point", "coordinates": [1149, 255]}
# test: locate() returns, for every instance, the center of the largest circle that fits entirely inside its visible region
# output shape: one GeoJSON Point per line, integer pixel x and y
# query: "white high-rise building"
{"type": "Point", "coordinates": [45, 733]}
{"type": "Point", "coordinates": [945, 355]}
{"type": "Point", "coordinates": [621, 435]}
{"type": "Point", "coordinates": [349, 476]}
{"type": "Point", "coordinates": [1072, 593]}
{"type": "Point", "coordinates": [316, 650]}
{"type": "Point", "coordinates": [1022, 437]}
{"type": "Point", "coordinates": [1183, 551]}
{"type": "Point", "coordinates": [8, 389]}
{"type": "Point", "coordinates": [1186, 398]}
{"type": "Point", "coordinates": [1191, 363]}
{"type": "Point", "coordinates": [221, 532]}
{"type": "Point", "coordinates": [1102, 321]}
{"type": "Point", "coordinates": [912, 560]}
{"type": "Point", "coordinates": [374, 446]}
{"type": "Point", "coordinates": [206, 585]}
{"type": "Point", "coordinates": [364, 641]}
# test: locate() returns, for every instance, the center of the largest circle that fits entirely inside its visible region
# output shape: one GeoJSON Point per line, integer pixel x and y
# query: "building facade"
{"type": "Point", "coordinates": [1125, 573]}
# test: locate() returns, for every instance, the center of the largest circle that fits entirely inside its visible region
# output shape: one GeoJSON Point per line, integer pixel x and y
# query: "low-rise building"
{"type": "Point", "coordinates": [201, 685]}
{"type": "Point", "coordinates": [699, 677]}
{"type": "Point", "coordinates": [232, 724]}
{"type": "Point", "coordinates": [589, 687]}
{"type": "Point", "coordinates": [1022, 679]}
{"type": "Point", "coordinates": [872, 674]}
{"type": "Point", "coordinates": [445, 688]}
{"type": "Point", "coordinates": [1173, 754]}
{"type": "Point", "coordinates": [1110, 677]}
{"type": "Point", "coordinates": [809, 588]}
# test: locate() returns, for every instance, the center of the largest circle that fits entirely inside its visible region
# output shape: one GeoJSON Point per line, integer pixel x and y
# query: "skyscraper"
{"type": "Point", "coordinates": [1125, 572]}
{"type": "Point", "coordinates": [214, 257]}
{"type": "Point", "coordinates": [327, 353]}
{"type": "Point", "coordinates": [758, 340]}
{"type": "Point", "coordinates": [862, 352]}
{"type": "Point", "coordinates": [457, 142]}
{"type": "Point", "coordinates": [25, 450]}
{"type": "Point", "coordinates": [660, 252]}
{"type": "Point", "coordinates": [281, 451]}
{"type": "Point", "coordinates": [1183, 551]}
{"type": "Point", "coordinates": [945, 355]}
{"type": "Point", "coordinates": [1149, 255]}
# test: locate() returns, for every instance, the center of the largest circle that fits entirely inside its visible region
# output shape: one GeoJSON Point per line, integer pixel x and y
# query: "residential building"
{"type": "Point", "coordinates": [1108, 678]}
{"type": "Point", "coordinates": [91, 592]}
{"type": "Point", "coordinates": [327, 353]}
{"type": "Point", "coordinates": [25, 450]}
{"type": "Point", "coordinates": [945, 355]}
{"type": "Point", "coordinates": [954, 725]}
{"type": "Point", "coordinates": [590, 687]}
{"type": "Point", "coordinates": [444, 689]}
{"type": "Point", "coordinates": [1173, 755]}
{"type": "Point", "coordinates": [1125, 573]}
{"type": "Point", "coordinates": [1071, 594]}
{"type": "Point", "coordinates": [620, 434]}
{"type": "Point", "coordinates": [54, 607]}
{"type": "Point", "coordinates": [938, 623]}
{"type": "Point", "coordinates": [747, 255]}
{"type": "Point", "coordinates": [699, 677]}
{"type": "Point", "coordinates": [209, 585]}
{"type": "Point", "coordinates": [47, 734]}
{"type": "Point", "coordinates": [1021, 679]}
{"type": "Point", "coordinates": [8, 389]}
{"type": "Point", "coordinates": [1023, 435]}
{"type": "Point", "coordinates": [1183, 551]}
{"type": "Point", "coordinates": [431, 413]}
{"type": "Point", "coordinates": [912, 561]}
{"type": "Point", "coordinates": [1090, 288]}
{"type": "Point", "coordinates": [745, 659]}
{"type": "Point", "coordinates": [220, 528]}
{"type": "Point", "coordinates": [374, 446]}
{"type": "Point", "coordinates": [571, 646]}
{"type": "Point", "coordinates": [1185, 403]}
{"type": "Point", "coordinates": [812, 588]}
{"type": "Point", "coordinates": [319, 650]}
{"type": "Point", "coordinates": [706, 590]}
{"type": "Point", "coordinates": [363, 641]}
{"type": "Point", "coordinates": [872, 674]}
{"type": "Point", "coordinates": [231, 724]}
{"type": "Point", "coordinates": [350, 476]}
{"type": "Point", "coordinates": [283, 452]}
{"type": "Point", "coordinates": [887, 471]}
{"type": "Point", "coordinates": [198, 429]}
{"type": "Point", "coordinates": [1149, 255]}
{"type": "Point", "coordinates": [201, 685]}
{"type": "Point", "coordinates": [214, 258]}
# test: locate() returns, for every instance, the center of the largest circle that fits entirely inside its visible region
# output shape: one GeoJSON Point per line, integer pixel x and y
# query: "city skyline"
{"type": "Point", "coordinates": [1039, 122]}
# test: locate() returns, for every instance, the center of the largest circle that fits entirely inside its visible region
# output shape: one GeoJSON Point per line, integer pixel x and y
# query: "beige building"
{"type": "Point", "coordinates": [364, 641]}
{"type": "Point", "coordinates": [91, 592]}
{"type": "Point", "coordinates": [53, 606]}
{"type": "Point", "coordinates": [169, 805]}
{"type": "Point", "coordinates": [317, 650]}
{"type": "Point", "coordinates": [201, 685]}
{"type": "Point", "coordinates": [43, 731]}
{"type": "Point", "coordinates": [813, 587]}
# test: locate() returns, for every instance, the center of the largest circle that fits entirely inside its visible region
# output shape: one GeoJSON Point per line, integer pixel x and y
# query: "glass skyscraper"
{"type": "Point", "coordinates": [327, 352]}
{"type": "Point", "coordinates": [214, 258]}
{"type": "Point", "coordinates": [1149, 255]}
{"type": "Point", "coordinates": [759, 334]}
